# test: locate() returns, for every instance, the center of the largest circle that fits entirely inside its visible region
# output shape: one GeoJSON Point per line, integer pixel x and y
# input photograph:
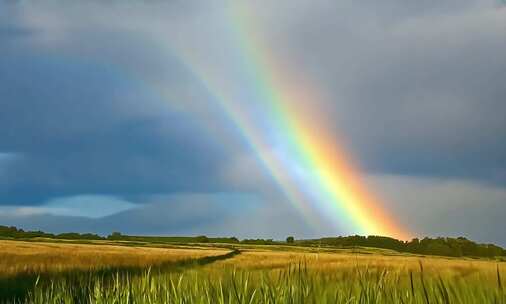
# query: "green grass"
{"type": "Point", "coordinates": [295, 284]}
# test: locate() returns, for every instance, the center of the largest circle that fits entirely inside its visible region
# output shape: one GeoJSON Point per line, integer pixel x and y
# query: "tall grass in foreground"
{"type": "Point", "coordinates": [295, 284]}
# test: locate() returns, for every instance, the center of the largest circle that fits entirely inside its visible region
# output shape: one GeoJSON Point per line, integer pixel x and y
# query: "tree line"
{"type": "Point", "coordinates": [117, 236]}
{"type": "Point", "coordinates": [13, 232]}
{"type": "Point", "coordinates": [444, 246]}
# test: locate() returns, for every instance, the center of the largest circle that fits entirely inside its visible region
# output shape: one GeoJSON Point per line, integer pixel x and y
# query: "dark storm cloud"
{"type": "Point", "coordinates": [75, 134]}
{"type": "Point", "coordinates": [416, 87]}
{"type": "Point", "coordinates": [9, 25]}
{"type": "Point", "coordinates": [93, 107]}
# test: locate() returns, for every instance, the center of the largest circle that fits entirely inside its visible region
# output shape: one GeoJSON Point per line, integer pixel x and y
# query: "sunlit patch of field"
{"type": "Point", "coordinates": [346, 261]}
{"type": "Point", "coordinates": [331, 261]}
{"type": "Point", "coordinates": [18, 257]}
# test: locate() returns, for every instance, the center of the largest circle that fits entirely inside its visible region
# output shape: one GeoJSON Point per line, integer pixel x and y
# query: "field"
{"type": "Point", "coordinates": [31, 257]}
{"type": "Point", "coordinates": [44, 272]}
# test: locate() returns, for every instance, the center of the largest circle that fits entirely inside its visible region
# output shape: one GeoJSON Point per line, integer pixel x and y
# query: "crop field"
{"type": "Point", "coordinates": [22, 264]}
{"type": "Point", "coordinates": [29, 257]}
{"type": "Point", "coordinates": [105, 273]}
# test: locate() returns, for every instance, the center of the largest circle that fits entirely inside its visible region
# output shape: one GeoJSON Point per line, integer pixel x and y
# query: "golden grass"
{"type": "Point", "coordinates": [34, 257]}
{"type": "Point", "coordinates": [39, 257]}
{"type": "Point", "coordinates": [345, 262]}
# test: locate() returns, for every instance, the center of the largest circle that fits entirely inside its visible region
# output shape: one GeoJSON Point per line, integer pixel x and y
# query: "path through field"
{"type": "Point", "coordinates": [22, 264]}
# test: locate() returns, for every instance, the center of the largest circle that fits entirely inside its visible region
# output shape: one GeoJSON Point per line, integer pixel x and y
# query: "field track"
{"type": "Point", "coordinates": [17, 285]}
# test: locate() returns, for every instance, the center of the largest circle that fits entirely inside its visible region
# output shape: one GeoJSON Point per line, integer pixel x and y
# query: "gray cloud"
{"type": "Point", "coordinates": [221, 214]}
{"type": "Point", "coordinates": [444, 207]}
{"type": "Point", "coordinates": [416, 88]}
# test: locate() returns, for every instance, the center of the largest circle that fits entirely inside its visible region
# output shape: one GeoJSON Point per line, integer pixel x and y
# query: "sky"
{"type": "Point", "coordinates": [122, 115]}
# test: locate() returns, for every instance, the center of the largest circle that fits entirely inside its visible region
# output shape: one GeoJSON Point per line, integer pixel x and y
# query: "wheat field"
{"type": "Point", "coordinates": [251, 274]}
{"type": "Point", "coordinates": [17, 257]}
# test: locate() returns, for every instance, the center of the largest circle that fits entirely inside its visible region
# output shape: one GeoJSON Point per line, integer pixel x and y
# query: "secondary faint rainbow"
{"type": "Point", "coordinates": [310, 165]}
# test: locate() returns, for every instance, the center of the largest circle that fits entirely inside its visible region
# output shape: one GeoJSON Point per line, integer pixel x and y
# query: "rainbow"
{"type": "Point", "coordinates": [313, 170]}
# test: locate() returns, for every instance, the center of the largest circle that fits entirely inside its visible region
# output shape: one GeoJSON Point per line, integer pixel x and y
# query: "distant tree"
{"type": "Point", "coordinates": [413, 246]}
{"type": "Point", "coordinates": [438, 248]}
{"type": "Point", "coordinates": [202, 239]}
{"type": "Point", "coordinates": [290, 240]}
{"type": "Point", "coordinates": [115, 236]}
{"type": "Point", "coordinates": [258, 241]}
